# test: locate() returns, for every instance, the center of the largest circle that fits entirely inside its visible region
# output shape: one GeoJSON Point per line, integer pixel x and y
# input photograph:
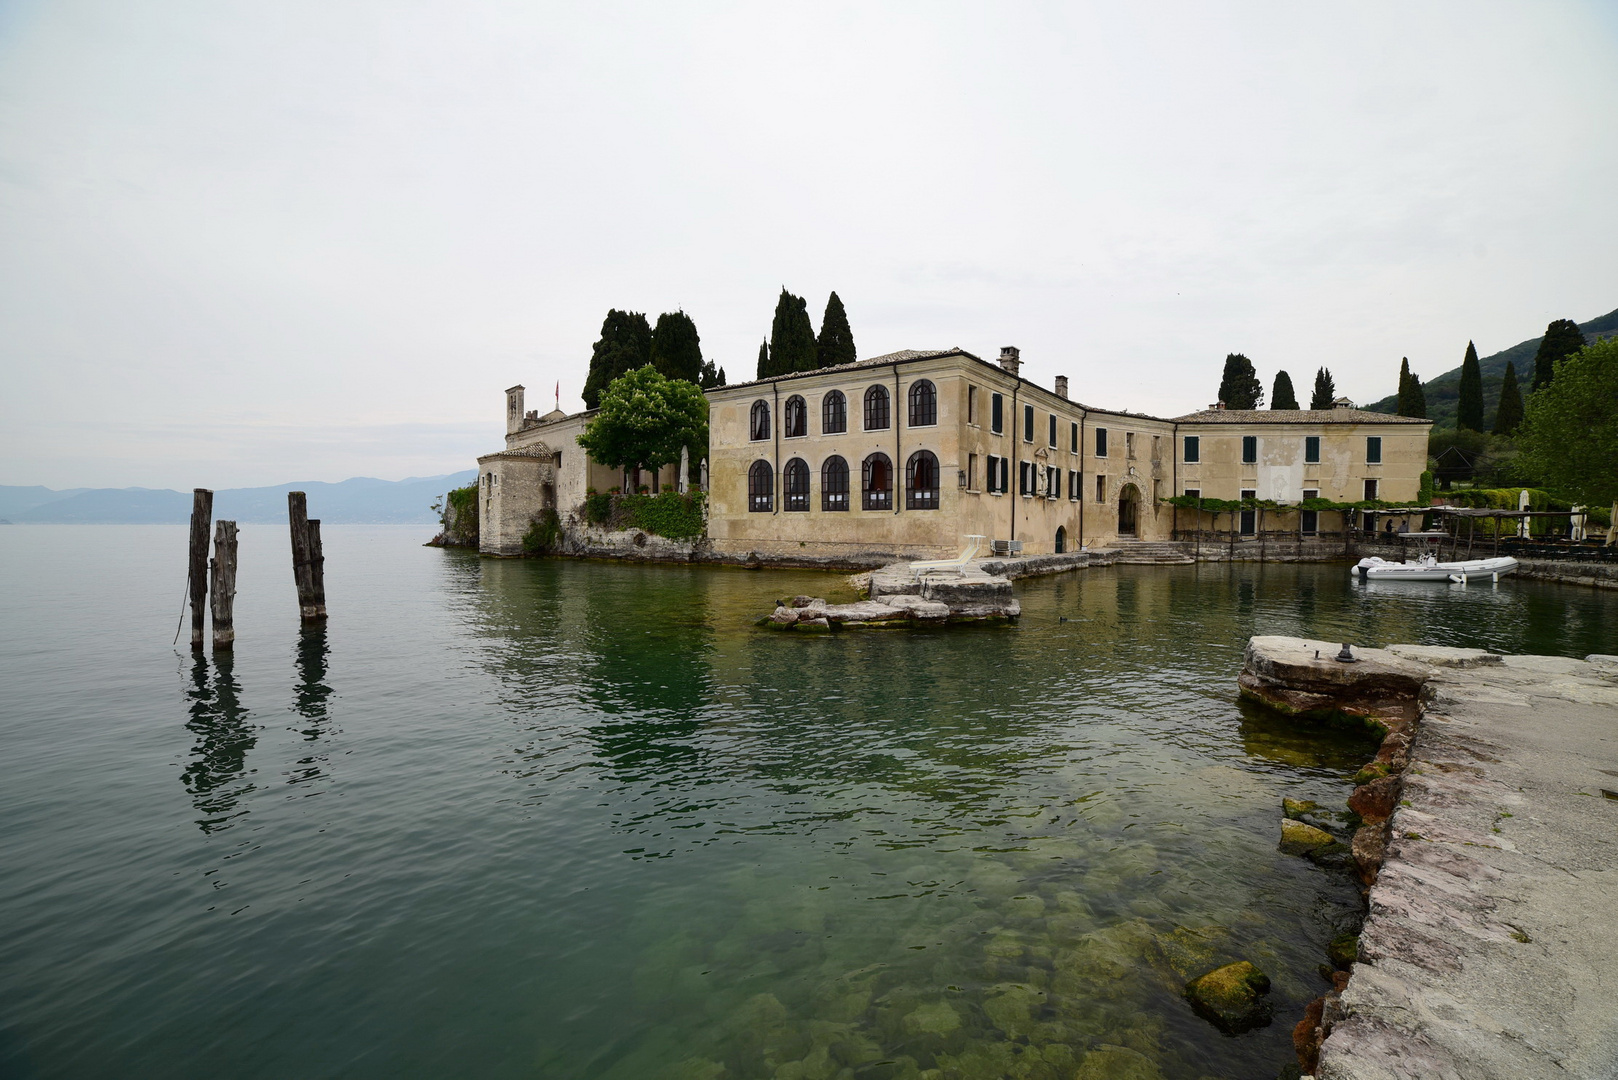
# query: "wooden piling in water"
{"type": "Point", "coordinates": [224, 586]}
{"type": "Point", "coordinates": [201, 518]}
{"type": "Point", "coordinates": [317, 570]}
{"type": "Point", "coordinates": [307, 575]}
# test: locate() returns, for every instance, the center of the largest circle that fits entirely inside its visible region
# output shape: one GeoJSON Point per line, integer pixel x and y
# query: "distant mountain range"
{"type": "Point", "coordinates": [361, 500]}
{"type": "Point", "coordinates": [1443, 391]}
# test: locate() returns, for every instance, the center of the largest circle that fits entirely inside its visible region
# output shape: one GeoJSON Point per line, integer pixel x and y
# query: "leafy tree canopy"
{"type": "Point", "coordinates": [792, 337]}
{"type": "Point", "coordinates": [1569, 435]}
{"type": "Point", "coordinates": [645, 420]}
{"type": "Point", "coordinates": [1469, 408]}
{"type": "Point", "coordinates": [1509, 414]}
{"type": "Point", "coordinates": [1240, 387]}
{"type": "Point", "coordinates": [626, 344]}
{"type": "Point", "coordinates": [1412, 400]}
{"type": "Point", "coordinates": [1325, 390]}
{"type": "Point", "coordinates": [676, 350]}
{"type": "Point", "coordinates": [1282, 396]}
{"type": "Point", "coordinates": [836, 342]}
{"type": "Point", "coordinates": [1562, 338]}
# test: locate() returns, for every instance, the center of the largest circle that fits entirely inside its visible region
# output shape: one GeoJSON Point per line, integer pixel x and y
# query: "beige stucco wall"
{"type": "Point", "coordinates": [1280, 473]}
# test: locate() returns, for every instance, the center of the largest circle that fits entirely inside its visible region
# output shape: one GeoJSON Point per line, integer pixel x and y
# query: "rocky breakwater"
{"type": "Point", "coordinates": [1489, 849]}
{"type": "Point", "coordinates": [899, 596]}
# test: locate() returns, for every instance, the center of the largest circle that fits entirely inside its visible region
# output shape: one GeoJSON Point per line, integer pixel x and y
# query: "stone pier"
{"type": "Point", "coordinates": [1490, 944]}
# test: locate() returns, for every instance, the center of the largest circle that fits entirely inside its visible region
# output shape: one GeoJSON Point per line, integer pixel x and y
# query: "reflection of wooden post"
{"type": "Point", "coordinates": [317, 570]}
{"type": "Point", "coordinates": [224, 585]}
{"type": "Point", "coordinates": [201, 518]}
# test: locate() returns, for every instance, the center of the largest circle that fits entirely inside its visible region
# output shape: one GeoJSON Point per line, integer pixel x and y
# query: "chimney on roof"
{"type": "Point", "coordinates": [1217, 406]}
{"type": "Point", "coordinates": [1061, 386]}
{"type": "Point", "coordinates": [1011, 359]}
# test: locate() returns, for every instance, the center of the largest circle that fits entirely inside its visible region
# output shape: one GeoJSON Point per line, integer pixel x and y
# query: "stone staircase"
{"type": "Point", "coordinates": [1150, 552]}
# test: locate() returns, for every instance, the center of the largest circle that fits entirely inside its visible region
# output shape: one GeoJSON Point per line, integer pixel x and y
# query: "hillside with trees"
{"type": "Point", "coordinates": [1443, 391]}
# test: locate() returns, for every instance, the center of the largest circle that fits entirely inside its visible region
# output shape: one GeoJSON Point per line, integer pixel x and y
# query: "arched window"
{"type": "Point", "coordinates": [795, 484]}
{"type": "Point", "coordinates": [923, 404]}
{"type": "Point", "coordinates": [876, 408]}
{"type": "Point", "coordinates": [795, 421]}
{"type": "Point", "coordinates": [760, 488]}
{"type": "Point", "coordinates": [759, 427]}
{"type": "Point", "coordinates": [834, 484]}
{"type": "Point", "coordinates": [876, 486]}
{"type": "Point", "coordinates": [921, 481]}
{"type": "Point", "coordinates": [833, 413]}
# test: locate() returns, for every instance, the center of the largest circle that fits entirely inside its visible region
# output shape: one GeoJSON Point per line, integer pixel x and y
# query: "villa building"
{"type": "Point", "coordinates": [906, 454]}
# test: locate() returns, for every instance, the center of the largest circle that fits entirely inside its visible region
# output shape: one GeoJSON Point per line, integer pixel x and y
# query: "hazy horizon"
{"type": "Point", "coordinates": [244, 243]}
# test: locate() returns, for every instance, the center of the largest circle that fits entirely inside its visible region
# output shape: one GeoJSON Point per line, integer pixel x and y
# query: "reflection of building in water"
{"type": "Point", "coordinates": [216, 777]}
{"type": "Point", "coordinates": [309, 700]}
{"type": "Point", "coordinates": [907, 453]}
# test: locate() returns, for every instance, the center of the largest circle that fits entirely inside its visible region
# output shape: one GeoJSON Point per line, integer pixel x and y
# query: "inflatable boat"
{"type": "Point", "coordinates": [1428, 568]}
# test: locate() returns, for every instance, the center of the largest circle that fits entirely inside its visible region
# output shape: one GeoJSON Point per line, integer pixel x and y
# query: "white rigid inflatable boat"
{"type": "Point", "coordinates": [1428, 568]}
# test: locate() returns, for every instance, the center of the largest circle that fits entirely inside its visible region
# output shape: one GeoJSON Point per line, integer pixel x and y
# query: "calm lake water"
{"type": "Point", "coordinates": [544, 819]}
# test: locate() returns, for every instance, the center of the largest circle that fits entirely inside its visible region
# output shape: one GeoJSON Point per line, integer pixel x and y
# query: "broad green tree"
{"type": "Point", "coordinates": [1562, 338]}
{"type": "Point", "coordinates": [1325, 390]}
{"type": "Point", "coordinates": [1508, 416]}
{"type": "Point", "coordinates": [645, 420]}
{"type": "Point", "coordinates": [1240, 388]}
{"type": "Point", "coordinates": [836, 342]}
{"type": "Point", "coordinates": [1569, 434]}
{"type": "Point", "coordinates": [625, 344]}
{"type": "Point", "coordinates": [1412, 398]}
{"type": "Point", "coordinates": [1469, 406]}
{"type": "Point", "coordinates": [676, 350]}
{"type": "Point", "coordinates": [792, 337]}
{"type": "Point", "coordinates": [1282, 396]}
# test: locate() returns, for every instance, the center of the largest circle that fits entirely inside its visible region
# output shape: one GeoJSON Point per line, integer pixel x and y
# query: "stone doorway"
{"type": "Point", "coordinates": [1061, 539]}
{"type": "Point", "coordinates": [1129, 511]}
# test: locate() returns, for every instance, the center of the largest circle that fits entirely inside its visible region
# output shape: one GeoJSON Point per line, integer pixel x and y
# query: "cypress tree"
{"type": "Point", "coordinates": [625, 344]}
{"type": "Point", "coordinates": [1325, 390]}
{"type": "Point", "coordinates": [1508, 416]}
{"type": "Point", "coordinates": [711, 378]}
{"type": "Point", "coordinates": [1562, 338]}
{"type": "Point", "coordinates": [765, 368]}
{"type": "Point", "coordinates": [1240, 388]}
{"type": "Point", "coordinates": [1412, 398]}
{"type": "Point", "coordinates": [1469, 408]}
{"type": "Point", "coordinates": [1282, 396]}
{"type": "Point", "coordinates": [836, 342]}
{"type": "Point", "coordinates": [676, 350]}
{"type": "Point", "coordinates": [792, 337]}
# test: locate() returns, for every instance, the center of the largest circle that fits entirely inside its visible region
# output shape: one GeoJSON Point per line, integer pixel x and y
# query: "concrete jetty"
{"type": "Point", "coordinates": [1490, 943]}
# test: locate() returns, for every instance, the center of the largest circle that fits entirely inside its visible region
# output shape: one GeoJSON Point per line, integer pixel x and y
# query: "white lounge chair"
{"type": "Point", "coordinates": [974, 544]}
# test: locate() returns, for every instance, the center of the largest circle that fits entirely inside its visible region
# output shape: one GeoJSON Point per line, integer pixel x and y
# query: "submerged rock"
{"type": "Point", "coordinates": [1300, 838]}
{"type": "Point", "coordinates": [1232, 998]}
{"type": "Point", "coordinates": [1343, 950]}
{"type": "Point", "coordinates": [1117, 1063]}
{"type": "Point", "coordinates": [1304, 809]}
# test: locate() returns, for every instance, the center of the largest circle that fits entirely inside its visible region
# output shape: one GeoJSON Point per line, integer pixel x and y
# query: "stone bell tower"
{"type": "Point", "coordinates": [514, 409]}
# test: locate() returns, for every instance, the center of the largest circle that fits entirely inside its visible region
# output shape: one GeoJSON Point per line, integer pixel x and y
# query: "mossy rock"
{"type": "Point", "coordinates": [1298, 809]}
{"type": "Point", "coordinates": [1343, 950]}
{"type": "Point", "coordinates": [1187, 950]}
{"type": "Point", "coordinates": [1232, 998]}
{"type": "Point", "coordinates": [1374, 771]}
{"type": "Point", "coordinates": [1333, 856]}
{"type": "Point", "coordinates": [1300, 838]}
{"type": "Point", "coordinates": [1117, 1063]}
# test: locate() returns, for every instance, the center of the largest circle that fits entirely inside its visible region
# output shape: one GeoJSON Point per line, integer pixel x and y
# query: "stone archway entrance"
{"type": "Point", "coordinates": [1129, 511]}
{"type": "Point", "coordinates": [1061, 539]}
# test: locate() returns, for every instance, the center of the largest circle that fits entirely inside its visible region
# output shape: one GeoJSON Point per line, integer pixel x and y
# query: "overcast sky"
{"type": "Point", "coordinates": [246, 243]}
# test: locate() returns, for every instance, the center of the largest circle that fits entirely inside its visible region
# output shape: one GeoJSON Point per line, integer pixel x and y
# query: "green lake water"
{"type": "Point", "coordinates": [548, 819]}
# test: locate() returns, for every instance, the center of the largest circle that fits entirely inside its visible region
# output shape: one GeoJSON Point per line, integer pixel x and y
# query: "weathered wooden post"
{"type": "Point", "coordinates": [317, 570]}
{"type": "Point", "coordinates": [305, 552]}
{"type": "Point", "coordinates": [201, 518]}
{"type": "Point", "coordinates": [224, 586]}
